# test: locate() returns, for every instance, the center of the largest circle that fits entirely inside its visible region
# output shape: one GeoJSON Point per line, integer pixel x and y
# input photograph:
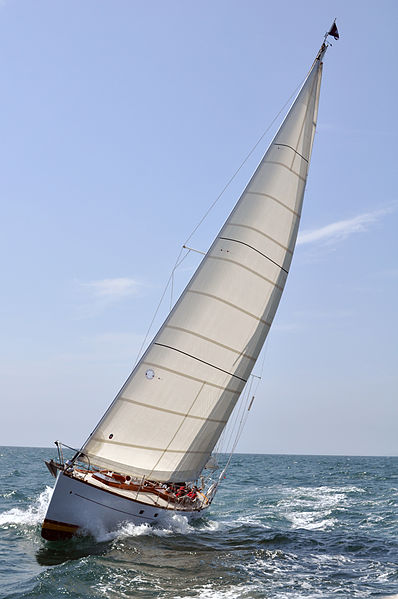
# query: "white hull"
{"type": "Point", "coordinates": [77, 505]}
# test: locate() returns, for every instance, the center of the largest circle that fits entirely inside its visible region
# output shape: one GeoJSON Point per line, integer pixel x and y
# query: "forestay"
{"type": "Point", "coordinates": [171, 411]}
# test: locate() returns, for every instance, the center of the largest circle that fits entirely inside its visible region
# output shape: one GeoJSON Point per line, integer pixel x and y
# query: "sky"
{"type": "Point", "coordinates": [120, 124]}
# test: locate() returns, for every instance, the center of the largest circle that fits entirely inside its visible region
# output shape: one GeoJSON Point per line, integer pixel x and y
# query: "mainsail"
{"type": "Point", "coordinates": [167, 418]}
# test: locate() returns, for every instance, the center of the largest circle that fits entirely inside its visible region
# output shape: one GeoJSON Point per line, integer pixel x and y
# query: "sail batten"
{"type": "Point", "coordinates": [173, 408]}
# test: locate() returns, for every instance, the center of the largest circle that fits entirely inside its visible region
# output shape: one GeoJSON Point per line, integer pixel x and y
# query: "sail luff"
{"type": "Point", "coordinates": [172, 409]}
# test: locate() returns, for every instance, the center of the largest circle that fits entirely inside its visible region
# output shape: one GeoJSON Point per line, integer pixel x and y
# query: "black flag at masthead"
{"type": "Point", "coordinates": [334, 31]}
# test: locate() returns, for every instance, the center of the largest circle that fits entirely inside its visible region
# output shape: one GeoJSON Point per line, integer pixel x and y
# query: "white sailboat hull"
{"type": "Point", "coordinates": [78, 506]}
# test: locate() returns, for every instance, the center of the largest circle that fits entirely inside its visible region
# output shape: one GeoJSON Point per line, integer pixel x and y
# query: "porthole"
{"type": "Point", "coordinates": [141, 511]}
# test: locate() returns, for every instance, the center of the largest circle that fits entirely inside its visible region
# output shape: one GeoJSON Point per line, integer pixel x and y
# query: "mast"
{"type": "Point", "coordinates": [168, 416]}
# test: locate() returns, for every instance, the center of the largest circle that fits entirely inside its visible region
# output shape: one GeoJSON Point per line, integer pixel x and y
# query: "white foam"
{"type": "Point", "coordinates": [174, 524]}
{"type": "Point", "coordinates": [207, 592]}
{"type": "Point", "coordinates": [8, 495]}
{"type": "Point", "coordinates": [247, 591]}
{"type": "Point", "coordinates": [211, 526]}
{"type": "Point", "coordinates": [310, 520]}
{"type": "Point", "coordinates": [326, 559]}
{"type": "Point", "coordinates": [32, 515]}
{"type": "Point", "coordinates": [311, 508]}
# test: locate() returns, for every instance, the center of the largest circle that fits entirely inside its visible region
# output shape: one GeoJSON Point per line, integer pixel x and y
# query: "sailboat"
{"type": "Point", "coordinates": [146, 457]}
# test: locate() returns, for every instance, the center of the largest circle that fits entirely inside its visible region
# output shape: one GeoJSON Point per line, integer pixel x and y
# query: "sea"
{"type": "Point", "coordinates": [280, 527]}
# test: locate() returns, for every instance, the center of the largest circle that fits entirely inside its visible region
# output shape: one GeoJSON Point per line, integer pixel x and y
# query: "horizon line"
{"type": "Point", "coordinates": [331, 455]}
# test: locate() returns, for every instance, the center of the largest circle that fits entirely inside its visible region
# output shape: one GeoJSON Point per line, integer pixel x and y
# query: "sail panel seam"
{"type": "Point", "coordinates": [256, 250]}
{"type": "Point", "coordinates": [262, 233]}
{"type": "Point", "coordinates": [200, 360]}
{"type": "Point", "coordinates": [112, 442]}
{"type": "Point", "coordinates": [287, 167]}
{"type": "Point", "coordinates": [192, 378]}
{"type": "Point", "coordinates": [177, 431]}
{"type": "Point", "coordinates": [235, 351]}
{"type": "Point", "coordinates": [254, 272]}
{"type": "Point", "coordinates": [267, 195]}
{"type": "Point", "coordinates": [219, 299]}
{"type": "Point", "coordinates": [183, 414]}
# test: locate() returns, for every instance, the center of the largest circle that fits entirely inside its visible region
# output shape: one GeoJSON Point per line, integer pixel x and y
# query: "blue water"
{"type": "Point", "coordinates": [281, 527]}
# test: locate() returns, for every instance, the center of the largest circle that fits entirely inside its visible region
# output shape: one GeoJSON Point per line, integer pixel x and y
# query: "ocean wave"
{"type": "Point", "coordinates": [174, 524]}
{"type": "Point", "coordinates": [32, 515]}
{"type": "Point", "coordinates": [314, 508]}
{"type": "Point", "coordinates": [310, 522]}
{"type": "Point", "coordinates": [255, 591]}
{"type": "Point", "coordinates": [208, 592]}
{"type": "Point", "coordinates": [8, 495]}
{"type": "Point", "coordinates": [303, 533]}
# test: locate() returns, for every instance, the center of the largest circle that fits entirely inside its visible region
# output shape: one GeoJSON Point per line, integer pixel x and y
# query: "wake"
{"type": "Point", "coordinates": [174, 524]}
{"type": "Point", "coordinates": [31, 516]}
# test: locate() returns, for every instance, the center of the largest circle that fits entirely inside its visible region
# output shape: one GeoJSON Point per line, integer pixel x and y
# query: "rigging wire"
{"type": "Point", "coordinates": [242, 422]}
{"type": "Point", "coordinates": [250, 394]}
{"type": "Point", "coordinates": [158, 306]}
{"type": "Point", "coordinates": [242, 164]}
{"type": "Point", "coordinates": [240, 415]}
{"type": "Point", "coordinates": [247, 406]}
{"type": "Point", "coordinates": [179, 261]}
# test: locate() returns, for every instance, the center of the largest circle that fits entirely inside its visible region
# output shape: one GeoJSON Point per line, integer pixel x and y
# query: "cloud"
{"type": "Point", "coordinates": [113, 289]}
{"type": "Point", "coordinates": [97, 296]}
{"type": "Point", "coordinates": [342, 229]}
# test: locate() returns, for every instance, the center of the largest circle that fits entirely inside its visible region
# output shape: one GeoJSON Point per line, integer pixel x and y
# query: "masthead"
{"type": "Point", "coordinates": [333, 31]}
